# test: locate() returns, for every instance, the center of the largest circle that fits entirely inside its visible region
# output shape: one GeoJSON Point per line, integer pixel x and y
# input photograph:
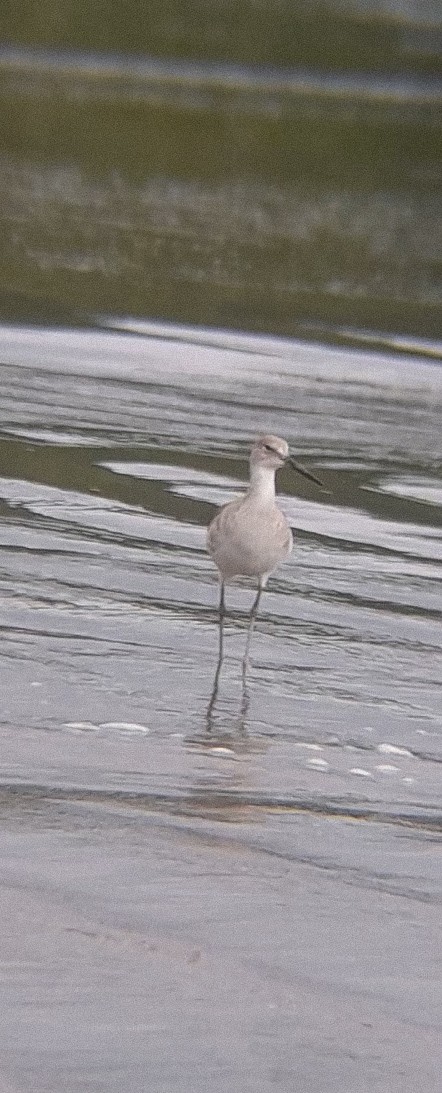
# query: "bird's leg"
{"type": "Point", "coordinates": [253, 614]}
{"type": "Point", "coordinates": [222, 612]}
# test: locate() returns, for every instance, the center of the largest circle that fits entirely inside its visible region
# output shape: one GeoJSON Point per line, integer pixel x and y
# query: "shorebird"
{"type": "Point", "coordinates": [249, 537]}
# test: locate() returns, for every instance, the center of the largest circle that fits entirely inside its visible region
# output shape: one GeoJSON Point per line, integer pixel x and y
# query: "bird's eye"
{"type": "Point", "coordinates": [269, 449]}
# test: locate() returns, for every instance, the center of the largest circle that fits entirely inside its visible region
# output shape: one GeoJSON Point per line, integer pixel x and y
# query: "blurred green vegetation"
{"type": "Point", "coordinates": [210, 193]}
{"type": "Point", "coordinates": [329, 34]}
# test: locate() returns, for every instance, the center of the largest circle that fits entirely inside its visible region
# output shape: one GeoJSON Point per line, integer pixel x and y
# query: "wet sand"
{"type": "Point", "coordinates": [250, 904]}
{"type": "Point", "coordinates": [261, 952]}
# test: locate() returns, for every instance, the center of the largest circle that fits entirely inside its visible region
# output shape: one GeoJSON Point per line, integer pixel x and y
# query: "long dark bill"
{"type": "Point", "coordinates": [307, 474]}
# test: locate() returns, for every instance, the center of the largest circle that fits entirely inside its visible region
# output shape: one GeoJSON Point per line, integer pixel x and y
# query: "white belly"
{"type": "Point", "coordinates": [250, 542]}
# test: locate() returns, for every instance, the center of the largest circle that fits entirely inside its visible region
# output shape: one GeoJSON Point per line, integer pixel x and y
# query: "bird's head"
{"type": "Point", "coordinates": [269, 451]}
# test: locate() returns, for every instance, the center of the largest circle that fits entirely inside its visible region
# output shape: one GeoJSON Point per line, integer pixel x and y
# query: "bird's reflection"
{"type": "Point", "coordinates": [240, 721]}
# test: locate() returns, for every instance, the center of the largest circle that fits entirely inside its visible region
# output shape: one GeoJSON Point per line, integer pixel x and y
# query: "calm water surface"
{"type": "Point", "coordinates": [186, 899]}
{"type": "Point", "coordinates": [116, 448]}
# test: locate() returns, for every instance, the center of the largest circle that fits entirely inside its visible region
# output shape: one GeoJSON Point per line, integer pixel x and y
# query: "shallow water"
{"type": "Point", "coordinates": [250, 898]}
{"type": "Point", "coordinates": [115, 450]}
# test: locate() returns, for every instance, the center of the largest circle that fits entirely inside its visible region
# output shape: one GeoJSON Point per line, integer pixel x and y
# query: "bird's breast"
{"type": "Point", "coordinates": [244, 539]}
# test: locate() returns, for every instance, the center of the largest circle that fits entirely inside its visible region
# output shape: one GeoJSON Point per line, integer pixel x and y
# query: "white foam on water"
{"type": "Point", "coordinates": [80, 726]}
{"type": "Point", "coordinates": [311, 747]}
{"type": "Point", "coordinates": [124, 726]}
{"type": "Point", "coordinates": [393, 749]}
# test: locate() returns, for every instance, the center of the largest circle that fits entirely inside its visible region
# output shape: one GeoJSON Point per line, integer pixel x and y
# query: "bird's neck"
{"type": "Point", "coordinates": [262, 484]}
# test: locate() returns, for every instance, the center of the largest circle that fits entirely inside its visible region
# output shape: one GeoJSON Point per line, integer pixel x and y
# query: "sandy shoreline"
{"type": "Point", "coordinates": [146, 951]}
